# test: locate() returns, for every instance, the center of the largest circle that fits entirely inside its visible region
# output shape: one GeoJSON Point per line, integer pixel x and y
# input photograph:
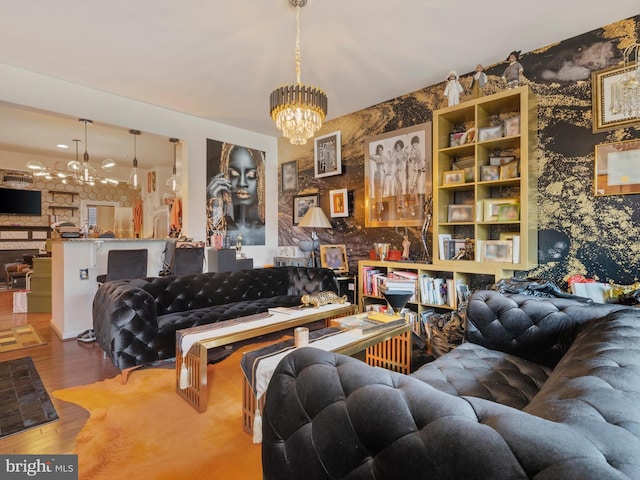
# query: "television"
{"type": "Point", "coordinates": [20, 202]}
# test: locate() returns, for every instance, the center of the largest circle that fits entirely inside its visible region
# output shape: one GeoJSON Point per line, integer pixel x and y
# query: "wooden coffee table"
{"type": "Point", "coordinates": [193, 343]}
{"type": "Point", "coordinates": [388, 347]}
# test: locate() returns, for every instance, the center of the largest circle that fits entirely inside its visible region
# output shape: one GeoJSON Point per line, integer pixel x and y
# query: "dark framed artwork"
{"type": "Point", "coordinates": [302, 203]}
{"type": "Point", "coordinates": [236, 191]}
{"type": "Point", "coordinates": [289, 176]}
{"type": "Point", "coordinates": [397, 176]}
{"type": "Point", "coordinates": [328, 153]}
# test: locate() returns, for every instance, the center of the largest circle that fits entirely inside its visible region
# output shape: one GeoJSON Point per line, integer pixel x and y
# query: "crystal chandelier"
{"type": "Point", "coordinates": [626, 91]}
{"type": "Point", "coordinates": [299, 109]}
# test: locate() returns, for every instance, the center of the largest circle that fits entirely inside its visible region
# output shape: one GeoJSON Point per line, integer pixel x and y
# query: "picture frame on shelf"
{"type": "Point", "coordinates": [489, 133]}
{"type": "Point", "coordinates": [455, 139]}
{"type": "Point", "coordinates": [302, 203]}
{"type": "Point", "coordinates": [511, 126]}
{"type": "Point", "coordinates": [328, 155]}
{"type": "Point", "coordinates": [460, 213]}
{"type": "Point", "coordinates": [496, 251]}
{"type": "Point", "coordinates": [407, 151]}
{"type": "Point", "coordinates": [453, 177]}
{"type": "Point", "coordinates": [468, 165]}
{"type": "Point", "coordinates": [289, 176]}
{"type": "Point", "coordinates": [492, 207]}
{"type": "Point", "coordinates": [489, 173]}
{"type": "Point", "coordinates": [339, 203]}
{"type": "Point", "coordinates": [606, 98]}
{"type": "Point", "coordinates": [501, 160]}
{"type": "Point", "coordinates": [509, 170]}
{"type": "Point", "coordinates": [334, 257]}
{"type": "Point", "coordinates": [617, 168]}
{"type": "Point", "coordinates": [509, 212]}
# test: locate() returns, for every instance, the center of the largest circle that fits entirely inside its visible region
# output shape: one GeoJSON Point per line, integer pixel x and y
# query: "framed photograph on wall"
{"type": "Point", "coordinates": [397, 176]}
{"type": "Point", "coordinates": [289, 176]}
{"type": "Point", "coordinates": [339, 203]}
{"type": "Point", "coordinates": [328, 155]}
{"type": "Point", "coordinates": [302, 203]}
{"type": "Point", "coordinates": [617, 169]}
{"type": "Point", "coordinates": [607, 98]}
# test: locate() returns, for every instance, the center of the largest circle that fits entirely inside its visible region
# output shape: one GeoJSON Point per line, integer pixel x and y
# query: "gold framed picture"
{"type": "Point", "coordinates": [607, 98]}
{"type": "Point", "coordinates": [334, 257]}
{"type": "Point", "coordinates": [617, 168]}
{"type": "Point", "coordinates": [453, 177]}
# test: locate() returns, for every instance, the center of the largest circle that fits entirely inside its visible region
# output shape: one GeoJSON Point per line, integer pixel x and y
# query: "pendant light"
{"type": "Point", "coordinates": [172, 181]}
{"type": "Point", "coordinates": [86, 168]}
{"type": "Point", "coordinates": [298, 109]}
{"type": "Point", "coordinates": [133, 178]}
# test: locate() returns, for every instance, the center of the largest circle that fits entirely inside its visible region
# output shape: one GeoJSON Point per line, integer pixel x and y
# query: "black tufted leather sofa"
{"type": "Point", "coordinates": [544, 388]}
{"type": "Point", "coordinates": [135, 321]}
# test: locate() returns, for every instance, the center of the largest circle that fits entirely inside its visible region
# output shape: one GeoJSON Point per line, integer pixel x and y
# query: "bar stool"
{"type": "Point", "coordinates": [125, 264]}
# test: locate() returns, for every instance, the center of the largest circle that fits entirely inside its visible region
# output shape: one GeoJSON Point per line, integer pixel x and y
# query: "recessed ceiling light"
{"type": "Point", "coordinates": [62, 145]}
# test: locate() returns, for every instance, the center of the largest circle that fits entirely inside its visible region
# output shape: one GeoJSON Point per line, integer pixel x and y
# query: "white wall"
{"type": "Point", "coordinates": [21, 87]}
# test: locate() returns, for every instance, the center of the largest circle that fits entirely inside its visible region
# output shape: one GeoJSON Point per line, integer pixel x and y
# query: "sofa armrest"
{"type": "Point", "coordinates": [328, 416]}
{"type": "Point", "coordinates": [537, 328]}
{"type": "Point", "coordinates": [125, 322]}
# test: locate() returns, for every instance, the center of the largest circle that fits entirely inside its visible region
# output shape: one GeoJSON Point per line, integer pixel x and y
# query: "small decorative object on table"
{"type": "Point", "coordinates": [318, 299]}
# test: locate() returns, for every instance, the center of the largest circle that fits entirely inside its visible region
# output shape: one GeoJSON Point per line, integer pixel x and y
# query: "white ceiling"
{"type": "Point", "coordinates": [221, 60]}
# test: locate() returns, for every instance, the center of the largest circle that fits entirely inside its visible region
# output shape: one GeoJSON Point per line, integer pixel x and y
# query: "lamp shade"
{"type": "Point", "coordinates": [315, 218]}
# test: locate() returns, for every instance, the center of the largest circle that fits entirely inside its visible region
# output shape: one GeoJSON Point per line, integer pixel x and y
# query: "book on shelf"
{"type": "Point", "coordinates": [385, 319]}
{"type": "Point", "coordinates": [380, 281]}
{"type": "Point", "coordinates": [516, 248]}
{"type": "Point", "coordinates": [441, 239]}
{"type": "Point", "coordinates": [433, 290]}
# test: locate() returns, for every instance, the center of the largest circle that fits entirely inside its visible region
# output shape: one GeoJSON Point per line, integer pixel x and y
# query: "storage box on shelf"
{"type": "Point", "coordinates": [485, 183]}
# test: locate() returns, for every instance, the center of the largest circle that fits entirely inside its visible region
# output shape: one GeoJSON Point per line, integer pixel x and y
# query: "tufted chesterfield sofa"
{"type": "Point", "coordinates": [543, 388]}
{"type": "Point", "coordinates": [135, 321]}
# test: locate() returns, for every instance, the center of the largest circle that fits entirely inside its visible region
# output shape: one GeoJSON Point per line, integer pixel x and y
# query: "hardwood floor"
{"type": "Point", "coordinates": [60, 365]}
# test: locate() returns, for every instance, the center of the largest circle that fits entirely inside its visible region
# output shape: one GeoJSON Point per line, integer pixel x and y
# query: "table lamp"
{"type": "Point", "coordinates": [314, 218]}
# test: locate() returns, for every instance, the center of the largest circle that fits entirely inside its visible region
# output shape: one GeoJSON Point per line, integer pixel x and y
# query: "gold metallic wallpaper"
{"type": "Point", "coordinates": [579, 233]}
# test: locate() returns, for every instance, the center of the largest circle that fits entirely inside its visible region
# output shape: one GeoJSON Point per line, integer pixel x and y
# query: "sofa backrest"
{"type": "Point", "coordinates": [179, 293]}
{"type": "Point", "coordinates": [539, 329]}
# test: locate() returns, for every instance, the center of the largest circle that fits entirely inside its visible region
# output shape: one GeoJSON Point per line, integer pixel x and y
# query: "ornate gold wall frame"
{"type": "Point", "coordinates": [605, 93]}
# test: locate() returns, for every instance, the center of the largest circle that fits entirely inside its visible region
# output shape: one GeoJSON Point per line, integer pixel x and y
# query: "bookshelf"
{"type": "Point", "coordinates": [471, 274]}
{"type": "Point", "coordinates": [485, 183]}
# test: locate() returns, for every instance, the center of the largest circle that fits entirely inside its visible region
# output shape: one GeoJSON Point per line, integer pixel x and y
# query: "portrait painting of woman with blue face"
{"type": "Point", "coordinates": [235, 191]}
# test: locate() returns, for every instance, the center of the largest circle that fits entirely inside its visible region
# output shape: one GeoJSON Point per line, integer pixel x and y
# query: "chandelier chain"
{"type": "Point", "coordinates": [298, 58]}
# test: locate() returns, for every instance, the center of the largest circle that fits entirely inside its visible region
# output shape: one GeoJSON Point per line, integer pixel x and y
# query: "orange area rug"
{"type": "Point", "coordinates": [145, 430]}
